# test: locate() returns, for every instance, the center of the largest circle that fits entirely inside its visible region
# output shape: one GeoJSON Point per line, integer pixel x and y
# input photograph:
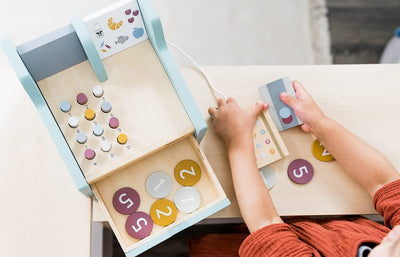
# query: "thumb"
{"type": "Point", "coordinates": [258, 109]}
{"type": "Point", "coordinates": [288, 99]}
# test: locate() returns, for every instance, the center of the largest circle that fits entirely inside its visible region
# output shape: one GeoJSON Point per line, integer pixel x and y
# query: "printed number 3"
{"type": "Point", "coordinates": [125, 201]}
{"type": "Point", "coordinates": [164, 213]}
{"type": "Point", "coordinates": [139, 227]}
{"type": "Point", "coordinates": [193, 173]}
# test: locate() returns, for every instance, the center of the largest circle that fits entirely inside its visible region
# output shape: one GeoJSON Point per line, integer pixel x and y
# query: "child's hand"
{"type": "Point", "coordinates": [233, 124]}
{"type": "Point", "coordinates": [304, 107]}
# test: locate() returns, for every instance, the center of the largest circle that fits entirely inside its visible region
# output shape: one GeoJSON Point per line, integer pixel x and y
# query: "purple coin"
{"type": "Point", "coordinates": [114, 122]}
{"type": "Point", "coordinates": [300, 171]}
{"type": "Point", "coordinates": [90, 154]}
{"type": "Point", "coordinates": [139, 225]}
{"type": "Point", "coordinates": [126, 200]}
{"type": "Point", "coordinates": [81, 98]}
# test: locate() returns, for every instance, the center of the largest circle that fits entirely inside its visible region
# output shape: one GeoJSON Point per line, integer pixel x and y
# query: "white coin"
{"type": "Point", "coordinates": [105, 146]}
{"type": "Point", "coordinates": [97, 91]}
{"type": "Point", "coordinates": [73, 121]}
{"type": "Point", "coordinates": [187, 199]}
{"type": "Point", "coordinates": [159, 184]}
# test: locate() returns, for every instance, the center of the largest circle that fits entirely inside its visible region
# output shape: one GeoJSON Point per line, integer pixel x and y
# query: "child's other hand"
{"type": "Point", "coordinates": [233, 124]}
{"type": "Point", "coordinates": [304, 107]}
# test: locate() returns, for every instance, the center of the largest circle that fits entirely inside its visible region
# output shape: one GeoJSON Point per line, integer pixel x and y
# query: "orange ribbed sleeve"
{"type": "Point", "coordinates": [275, 240]}
{"type": "Point", "coordinates": [387, 203]}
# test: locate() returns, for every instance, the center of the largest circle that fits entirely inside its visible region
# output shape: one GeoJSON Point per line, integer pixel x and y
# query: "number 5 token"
{"type": "Point", "coordinates": [163, 212]}
{"type": "Point", "coordinates": [126, 200]}
{"type": "Point", "coordinates": [300, 171]}
{"type": "Point", "coordinates": [187, 172]}
{"type": "Point", "coordinates": [139, 225]}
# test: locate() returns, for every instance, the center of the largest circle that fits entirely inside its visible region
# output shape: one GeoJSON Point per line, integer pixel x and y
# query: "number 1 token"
{"type": "Point", "coordinates": [126, 200]}
{"type": "Point", "coordinates": [187, 172]}
{"type": "Point", "coordinates": [139, 225]}
{"type": "Point", "coordinates": [163, 212]}
{"type": "Point", "coordinates": [158, 184]}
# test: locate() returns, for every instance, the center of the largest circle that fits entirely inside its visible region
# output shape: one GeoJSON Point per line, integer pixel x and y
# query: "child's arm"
{"type": "Point", "coordinates": [363, 163]}
{"type": "Point", "coordinates": [235, 126]}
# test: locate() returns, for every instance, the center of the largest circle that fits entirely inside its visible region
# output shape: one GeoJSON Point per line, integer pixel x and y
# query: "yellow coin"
{"type": "Point", "coordinates": [272, 151]}
{"type": "Point", "coordinates": [89, 114]}
{"type": "Point", "coordinates": [163, 212]}
{"type": "Point", "coordinates": [320, 153]}
{"type": "Point", "coordinates": [122, 138]}
{"type": "Point", "coordinates": [187, 172]}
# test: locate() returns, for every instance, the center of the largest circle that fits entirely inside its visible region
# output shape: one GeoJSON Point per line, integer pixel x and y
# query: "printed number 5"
{"type": "Point", "coordinates": [139, 227]}
{"type": "Point", "coordinates": [300, 173]}
{"type": "Point", "coordinates": [193, 173]}
{"type": "Point", "coordinates": [125, 201]}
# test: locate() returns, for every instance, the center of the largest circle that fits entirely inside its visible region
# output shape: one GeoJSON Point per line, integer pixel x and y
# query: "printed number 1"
{"type": "Point", "coordinates": [193, 173]}
{"type": "Point", "coordinates": [125, 201]}
{"type": "Point", "coordinates": [161, 181]}
{"type": "Point", "coordinates": [164, 213]}
{"type": "Point", "coordinates": [300, 173]}
{"type": "Point", "coordinates": [139, 227]}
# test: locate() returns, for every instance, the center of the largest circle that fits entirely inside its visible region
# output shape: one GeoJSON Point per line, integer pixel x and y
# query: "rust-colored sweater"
{"type": "Point", "coordinates": [307, 237]}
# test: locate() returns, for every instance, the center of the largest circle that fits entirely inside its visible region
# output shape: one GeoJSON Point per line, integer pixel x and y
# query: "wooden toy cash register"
{"type": "Point", "coordinates": [123, 120]}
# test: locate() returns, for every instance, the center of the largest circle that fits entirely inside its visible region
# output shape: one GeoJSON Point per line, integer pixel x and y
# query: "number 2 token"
{"type": "Point", "coordinates": [187, 172]}
{"type": "Point", "coordinates": [139, 225]}
{"type": "Point", "coordinates": [163, 212]}
{"type": "Point", "coordinates": [320, 152]}
{"type": "Point", "coordinates": [300, 171]}
{"type": "Point", "coordinates": [126, 200]}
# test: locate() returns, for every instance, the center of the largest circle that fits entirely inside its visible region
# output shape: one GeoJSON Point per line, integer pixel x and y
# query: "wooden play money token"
{"type": "Point", "coordinates": [300, 171]}
{"type": "Point", "coordinates": [187, 199]}
{"type": "Point", "coordinates": [126, 200]}
{"type": "Point", "coordinates": [159, 184]}
{"type": "Point", "coordinates": [163, 212]}
{"type": "Point", "coordinates": [139, 225]}
{"type": "Point", "coordinates": [320, 153]}
{"type": "Point", "coordinates": [187, 172]}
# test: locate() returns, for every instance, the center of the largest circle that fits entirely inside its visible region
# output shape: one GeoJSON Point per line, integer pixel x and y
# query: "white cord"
{"type": "Point", "coordinates": [200, 69]}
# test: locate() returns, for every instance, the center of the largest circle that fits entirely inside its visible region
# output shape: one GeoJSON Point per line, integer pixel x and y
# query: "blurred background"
{"type": "Point", "coordinates": [234, 32]}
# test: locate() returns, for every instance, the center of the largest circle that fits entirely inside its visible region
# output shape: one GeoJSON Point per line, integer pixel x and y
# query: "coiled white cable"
{"type": "Point", "coordinates": [211, 85]}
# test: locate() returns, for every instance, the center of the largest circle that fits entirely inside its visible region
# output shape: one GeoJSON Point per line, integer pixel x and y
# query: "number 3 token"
{"type": "Point", "coordinates": [126, 200]}
{"type": "Point", "coordinates": [163, 212]}
{"type": "Point", "coordinates": [187, 172]}
{"type": "Point", "coordinates": [139, 225]}
{"type": "Point", "coordinates": [300, 171]}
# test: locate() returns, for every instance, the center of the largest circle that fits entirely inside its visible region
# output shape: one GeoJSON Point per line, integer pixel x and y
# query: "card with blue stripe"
{"type": "Point", "coordinates": [283, 115]}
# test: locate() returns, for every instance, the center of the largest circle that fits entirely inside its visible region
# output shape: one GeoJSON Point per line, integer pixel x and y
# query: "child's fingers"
{"type": "Point", "coordinates": [221, 102]}
{"type": "Point", "coordinates": [288, 99]}
{"type": "Point", "coordinates": [212, 111]}
{"type": "Point", "coordinates": [258, 109]}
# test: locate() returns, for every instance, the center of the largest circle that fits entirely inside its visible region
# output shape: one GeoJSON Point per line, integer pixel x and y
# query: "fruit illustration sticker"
{"type": "Point", "coordinates": [114, 30]}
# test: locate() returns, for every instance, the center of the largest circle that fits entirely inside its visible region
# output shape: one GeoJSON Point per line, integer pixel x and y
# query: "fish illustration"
{"type": "Point", "coordinates": [121, 39]}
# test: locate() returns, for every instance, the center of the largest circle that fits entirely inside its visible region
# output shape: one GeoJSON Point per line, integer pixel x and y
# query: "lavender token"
{"type": "Point", "coordinates": [81, 98]}
{"type": "Point", "coordinates": [139, 225]}
{"type": "Point", "coordinates": [89, 154]}
{"type": "Point", "coordinates": [126, 200]}
{"type": "Point", "coordinates": [300, 171]}
{"type": "Point", "coordinates": [114, 122]}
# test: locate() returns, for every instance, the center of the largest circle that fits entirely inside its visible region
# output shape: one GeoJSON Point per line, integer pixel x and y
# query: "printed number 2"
{"type": "Point", "coordinates": [139, 227]}
{"type": "Point", "coordinates": [125, 201]}
{"type": "Point", "coordinates": [164, 213]}
{"type": "Point", "coordinates": [193, 173]}
{"type": "Point", "coordinates": [300, 173]}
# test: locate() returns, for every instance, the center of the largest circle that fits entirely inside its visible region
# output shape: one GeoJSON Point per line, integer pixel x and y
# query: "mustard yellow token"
{"type": "Point", "coordinates": [163, 212]}
{"type": "Point", "coordinates": [320, 153]}
{"type": "Point", "coordinates": [187, 172]}
{"type": "Point", "coordinates": [89, 114]}
{"type": "Point", "coordinates": [122, 138]}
